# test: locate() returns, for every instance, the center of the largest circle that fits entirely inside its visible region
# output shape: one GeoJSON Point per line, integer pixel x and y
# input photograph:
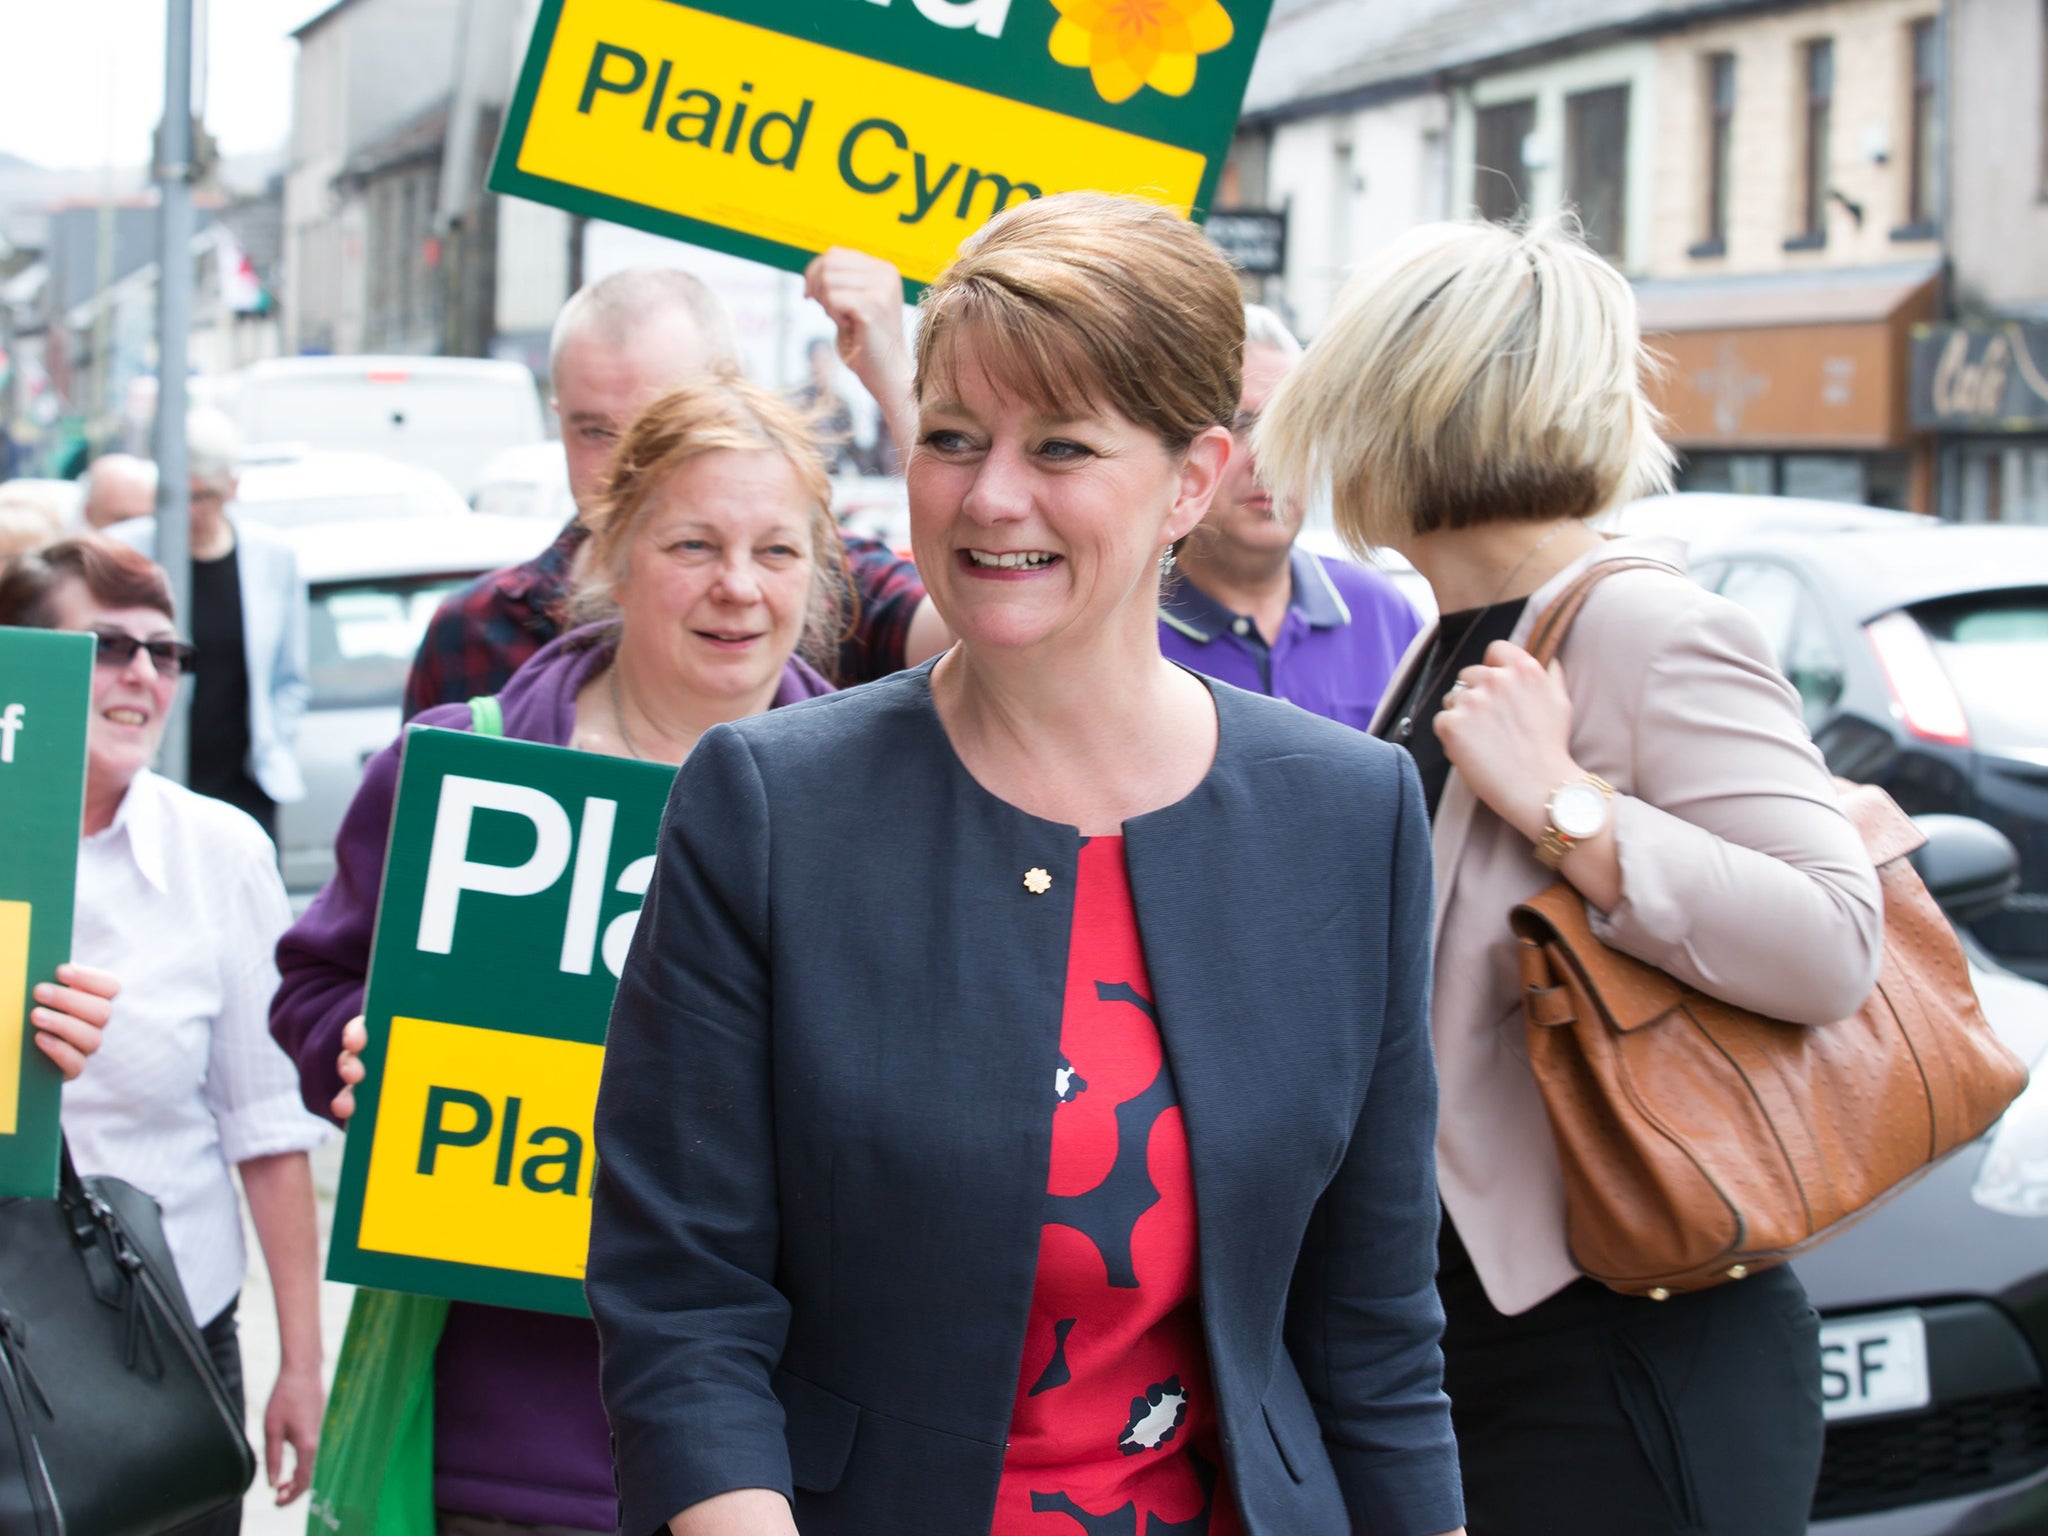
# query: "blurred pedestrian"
{"type": "Point", "coordinates": [29, 517]}
{"type": "Point", "coordinates": [1247, 605]}
{"type": "Point", "coordinates": [117, 487]}
{"type": "Point", "coordinates": [1477, 397]}
{"type": "Point", "coordinates": [713, 552]}
{"type": "Point", "coordinates": [619, 345]}
{"type": "Point", "coordinates": [249, 622]}
{"type": "Point", "coordinates": [179, 897]}
{"type": "Point", "coordinates": [819, 395]}
{"type": "Point", "coordinates": [896, 1219]}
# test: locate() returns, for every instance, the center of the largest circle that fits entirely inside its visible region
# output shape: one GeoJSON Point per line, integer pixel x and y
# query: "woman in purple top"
{"type": "Point", "coordinates": [715, 560]}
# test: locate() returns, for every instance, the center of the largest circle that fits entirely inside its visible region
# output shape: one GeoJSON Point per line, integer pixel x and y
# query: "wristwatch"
{"type": "Point", "coordinates": [1577, 810]}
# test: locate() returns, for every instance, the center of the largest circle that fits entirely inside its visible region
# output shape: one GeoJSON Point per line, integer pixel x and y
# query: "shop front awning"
{"type": "Point", "coordinates": [1816, 359]}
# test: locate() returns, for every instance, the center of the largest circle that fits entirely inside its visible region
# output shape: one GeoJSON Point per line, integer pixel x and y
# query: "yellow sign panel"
{"type": "Point", "coordinates": [483, 1152]}
{"type": "Point", "coordinates": [14, 917]}
{"type": "Point", "coordinates": [751, 130]}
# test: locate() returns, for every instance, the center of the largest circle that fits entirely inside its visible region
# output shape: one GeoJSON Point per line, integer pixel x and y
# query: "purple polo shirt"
{"type": "Point", "coordinates": [1345, 629]}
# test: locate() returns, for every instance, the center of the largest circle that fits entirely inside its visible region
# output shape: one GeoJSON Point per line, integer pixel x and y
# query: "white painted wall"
{"type": "Point", "coordinates": [1351, 182]}
{"type": "Point", "coordinates": [1549, 83]}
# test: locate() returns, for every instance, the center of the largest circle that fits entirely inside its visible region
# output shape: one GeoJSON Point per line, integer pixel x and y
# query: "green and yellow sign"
{"type": "Point", "coordinates": [775, 128]}
{"type": "Point", "coordinates": [45, 704]}
{"type": "Point", "coordinates": [511, 891]}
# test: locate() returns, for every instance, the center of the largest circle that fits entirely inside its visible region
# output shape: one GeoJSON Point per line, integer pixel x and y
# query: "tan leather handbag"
{"type": "Point", "coordinates": [1702, 1142]}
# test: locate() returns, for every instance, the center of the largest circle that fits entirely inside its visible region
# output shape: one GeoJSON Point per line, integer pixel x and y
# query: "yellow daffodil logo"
{"type": "Point", "coordinates": [1128, 44]}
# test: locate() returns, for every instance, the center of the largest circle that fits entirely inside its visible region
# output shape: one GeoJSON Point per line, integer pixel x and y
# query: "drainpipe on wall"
{"type": "Point", "coordinates": [1948, 455]}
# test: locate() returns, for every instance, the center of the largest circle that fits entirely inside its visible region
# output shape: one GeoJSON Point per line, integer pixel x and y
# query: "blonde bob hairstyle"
{"type": "Point", "coordinates": [723, 412]}
{"type": "Point", "coordinates": [1471, 374]}
{"type": "Point", "coordinates": [1083, 300]}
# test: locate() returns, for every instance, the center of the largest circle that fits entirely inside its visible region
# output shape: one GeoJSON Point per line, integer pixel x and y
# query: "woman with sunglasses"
{"type": "Point", "coordinates": [179, 897]}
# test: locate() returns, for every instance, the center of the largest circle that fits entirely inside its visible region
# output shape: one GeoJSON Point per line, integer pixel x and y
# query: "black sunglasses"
{"type": "Point", "coordinates": [169, 657]}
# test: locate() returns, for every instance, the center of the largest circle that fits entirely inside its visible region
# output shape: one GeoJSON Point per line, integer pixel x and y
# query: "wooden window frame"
{"type": "Point", "coordinates": [1719, 75]}
{"type": "Point", "coordinates": [1923, 172]}
{"type": "Point", "coordinates": [1485, 177]}
{"type": "Point", "coordinates": [1576, 105]}
{"type": "Point", "coordinates": [1818, 101]}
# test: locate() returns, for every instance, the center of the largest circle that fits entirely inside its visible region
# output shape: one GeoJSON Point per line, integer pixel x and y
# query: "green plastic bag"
{"type": "Point", "coordinates": [374, 1474]}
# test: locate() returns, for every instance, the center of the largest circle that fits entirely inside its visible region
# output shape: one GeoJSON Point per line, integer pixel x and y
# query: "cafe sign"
{"type": "Point", "coordinates": [1978, 376]}
{"type": "Point", "coordinates": [772, 129]}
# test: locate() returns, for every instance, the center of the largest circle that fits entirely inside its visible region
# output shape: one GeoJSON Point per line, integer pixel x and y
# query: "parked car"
{"type": "Point", "coordinates": [290, 488]}
{"type": "Point", "coordinates": [1710, 515]}
{"type": "Point", "coordinates": [1935, 1307]}
{"type": "Point", "coordinates": [372, 587]}
{"type": "Point", "coordinates": [447, 414]}
{"type": "Point", "coordinates": [531, 480]}
{"type": "Point", "coordinates": [1919, 650]}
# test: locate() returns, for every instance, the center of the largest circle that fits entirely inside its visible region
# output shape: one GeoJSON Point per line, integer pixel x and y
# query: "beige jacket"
{"type": "Point", "coordinates": [1739, 876]}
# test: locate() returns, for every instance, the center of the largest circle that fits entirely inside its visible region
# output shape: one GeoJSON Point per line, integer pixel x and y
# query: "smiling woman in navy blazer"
{"type": "Point", "coordinates": [1018, 1109]}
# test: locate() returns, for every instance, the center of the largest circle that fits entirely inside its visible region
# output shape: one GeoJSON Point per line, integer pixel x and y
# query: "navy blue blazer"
{"type": "Point", "coordinates": [824, 1132]}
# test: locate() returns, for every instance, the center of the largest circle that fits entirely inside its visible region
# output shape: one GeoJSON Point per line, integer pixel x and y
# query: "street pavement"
{"type": "Point", "coordinates": [260, 1514]}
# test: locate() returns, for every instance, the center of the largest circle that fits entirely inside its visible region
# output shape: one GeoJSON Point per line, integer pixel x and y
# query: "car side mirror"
{"type": "Point", "coordinates": [1968, 866]}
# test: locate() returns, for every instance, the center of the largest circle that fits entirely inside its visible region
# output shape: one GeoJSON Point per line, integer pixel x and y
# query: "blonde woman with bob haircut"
{"type": "Point", "coordinates": [978, 1157]}
{"type": "Point", "coordinates": [1476, 399]}
{"type": "Point", "coordinates": [712, 567]}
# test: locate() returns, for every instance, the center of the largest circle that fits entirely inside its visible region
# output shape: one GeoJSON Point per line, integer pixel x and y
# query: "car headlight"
{"type": "Point", "coordinates": [2014, 1177]}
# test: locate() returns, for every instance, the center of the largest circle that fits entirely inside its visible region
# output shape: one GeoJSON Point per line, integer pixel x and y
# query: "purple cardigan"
{"type": "Point", "coordinates": [519, 1430]}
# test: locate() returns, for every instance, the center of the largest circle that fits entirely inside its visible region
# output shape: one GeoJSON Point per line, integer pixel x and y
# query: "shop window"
{"type": "Point", "coordinates": [1596, 165]}
{"type": "Point", "coordinates": [1744, 474]}
{"type": "Point", "coordinates": [1795, 630]}
{"type": "Point", "coordinates": [1822, 476]}
{"type": "Point", "coordinates": [2003, 485]}
{"type": "Point", "coordinates": [1818, 77]}
{"type": "Point", "coordinates": [1888, 481]}
{"type": "Point", "coordinates": [1882, 480]}
{"type": "Point", "coordinates": [1923, 170]}
{"type": "Point", "coordinates": [1720, 132]}
{"type": "Point", "coordinates": [1500, 176]}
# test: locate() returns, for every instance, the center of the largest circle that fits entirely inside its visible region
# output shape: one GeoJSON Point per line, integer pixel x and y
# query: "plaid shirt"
{"type": "Point", "coordinates": [483, 633]}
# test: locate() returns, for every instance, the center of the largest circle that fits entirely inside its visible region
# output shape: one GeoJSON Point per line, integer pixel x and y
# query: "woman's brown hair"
{"type": "Point", "coordinates": [1081, 299]}
{"type": "Point", "coordinates": [724, 412]}
{"type": "Point", "coordinates": [116, 575]}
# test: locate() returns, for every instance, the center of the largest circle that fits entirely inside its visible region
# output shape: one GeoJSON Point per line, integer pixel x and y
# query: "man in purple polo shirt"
{"type": "Point", "coordinates": [1246, 607]}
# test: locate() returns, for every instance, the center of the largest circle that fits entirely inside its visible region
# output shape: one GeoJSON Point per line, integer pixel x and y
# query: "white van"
{"type": "Point", "coordinates": [448, 414]}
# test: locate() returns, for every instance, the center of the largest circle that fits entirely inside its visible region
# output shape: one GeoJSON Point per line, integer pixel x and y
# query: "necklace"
{"type": "Point", "coordinates": [1404, 727]}
{"type": "Point", "coordinates": [619, 714]}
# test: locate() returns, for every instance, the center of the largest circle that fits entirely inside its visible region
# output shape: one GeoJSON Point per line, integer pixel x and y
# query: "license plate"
{"type": "Point", "coordinates": [1876, 1363]}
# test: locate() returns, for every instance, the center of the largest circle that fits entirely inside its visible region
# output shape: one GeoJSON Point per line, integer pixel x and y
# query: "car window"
{"type": "Point", "coordinates": [361, 637]}
{"type": "Point", "coordinates": [1993, 645]}
{"type": "Point", "coordinates": [1798, 635]}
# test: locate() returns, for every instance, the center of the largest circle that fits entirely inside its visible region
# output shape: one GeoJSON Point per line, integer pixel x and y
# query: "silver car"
{"type": "Point", "coordinates": [372, 586]}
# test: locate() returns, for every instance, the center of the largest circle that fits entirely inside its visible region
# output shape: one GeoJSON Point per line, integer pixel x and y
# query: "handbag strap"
{"type": "Point", "coordinates": [1548, 637]}
{"type": "Point", "coordinates": [486, 715]}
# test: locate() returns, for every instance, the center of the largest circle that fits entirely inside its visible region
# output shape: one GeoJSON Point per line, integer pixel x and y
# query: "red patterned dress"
{"type": "Point", "coordinates": [1114, 1428]}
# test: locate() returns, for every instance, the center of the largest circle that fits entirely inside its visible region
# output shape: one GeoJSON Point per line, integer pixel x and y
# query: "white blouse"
{"type": "Point", "coordinates": [180, 898]}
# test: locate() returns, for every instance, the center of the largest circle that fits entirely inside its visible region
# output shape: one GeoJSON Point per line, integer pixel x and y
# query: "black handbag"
{"type": "Point", "coordinates": [113, 1421]}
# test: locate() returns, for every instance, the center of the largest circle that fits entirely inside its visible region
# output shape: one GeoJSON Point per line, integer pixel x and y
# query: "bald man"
{"type": "Point", "coordinates": [118, 487]}
{"type": "Point", "coordinates": [619, 345]}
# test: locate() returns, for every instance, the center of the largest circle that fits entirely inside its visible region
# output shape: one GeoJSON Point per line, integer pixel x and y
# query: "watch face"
{"type": "Point", "coordinates": [1579, 811]}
